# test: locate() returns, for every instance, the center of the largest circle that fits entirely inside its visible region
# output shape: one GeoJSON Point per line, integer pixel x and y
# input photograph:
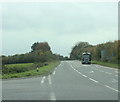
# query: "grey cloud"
{"type": "Point", "coordinates": [62, 18]}
{"type": "Point", "coordinates": [57, 23]}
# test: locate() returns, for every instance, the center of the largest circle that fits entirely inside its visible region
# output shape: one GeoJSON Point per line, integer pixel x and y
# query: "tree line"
{"type": "Point", "coordinates": [106, 52]}
{"type": "Point", "coordinates": [40, 52]}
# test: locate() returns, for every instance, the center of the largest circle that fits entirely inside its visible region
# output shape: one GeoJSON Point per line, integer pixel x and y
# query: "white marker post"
{"type": "Point", "coordinates": [37, 69]}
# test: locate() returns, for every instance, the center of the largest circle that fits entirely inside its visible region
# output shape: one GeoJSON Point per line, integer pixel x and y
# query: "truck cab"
{"type": "Point", "coordinates": [86, 58]}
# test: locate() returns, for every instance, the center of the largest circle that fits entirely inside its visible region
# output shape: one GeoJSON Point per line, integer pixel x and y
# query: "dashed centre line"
{"type": "Point", "coordinates": [54, 72]}
{"type": "Point", "coordinates": [91, 72]}
{"type": "Point", "coordinates": [111, 88]}
{"type": "Point", "coordinates": [43, 79]}
{"type": "Point", "coordinates": [49, 80]}
{"type": "Point", "coordinates": [95, 80]}
{"type": "Point", "coordinates": [84, 75]}
{"type": "Point", "coordinates": [52, 96]}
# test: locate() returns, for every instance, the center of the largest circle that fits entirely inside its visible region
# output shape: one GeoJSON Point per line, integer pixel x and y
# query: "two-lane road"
{"type": "Point", "coordinates": [69, 81]}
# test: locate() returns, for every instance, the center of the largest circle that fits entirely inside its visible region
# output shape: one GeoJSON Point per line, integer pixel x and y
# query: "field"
{"type": "Point", "coordinates": [44, 70]}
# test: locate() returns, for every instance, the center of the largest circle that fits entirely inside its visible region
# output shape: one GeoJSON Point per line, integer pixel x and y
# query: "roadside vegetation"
{"type": "Point", "coordinates": [24, 65]}
{"type": "Point", "coordinates": [106, 64]}
{"type": "Point", "coordinates": [40, 52]}
{"type": "Point", "coordinates": [104, 54]}
{"type": "Point", "coordinates": [44, 70]}
{"type": "Point", "coordinates": [17, 68]}
{"type": "Point", "coordinates": [41, 56]}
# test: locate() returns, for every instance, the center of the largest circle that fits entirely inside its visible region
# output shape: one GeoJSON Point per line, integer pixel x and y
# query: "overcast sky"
{"type": "Point", "coordinates": [62, 25]}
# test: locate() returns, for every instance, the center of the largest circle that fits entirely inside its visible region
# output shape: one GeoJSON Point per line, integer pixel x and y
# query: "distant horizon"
{"type": "Point", "coordinates": [53, 52]}
{"type": "Point", "coordinates": [60, 24]}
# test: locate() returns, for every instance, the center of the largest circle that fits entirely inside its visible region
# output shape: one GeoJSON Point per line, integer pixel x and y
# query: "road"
{"type": "Point", "coordinates": [69, 81]}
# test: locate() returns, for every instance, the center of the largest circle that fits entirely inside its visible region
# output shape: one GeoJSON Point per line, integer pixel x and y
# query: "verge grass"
{"type": "Point", "coordinates": [106, 64]}
{"type": "Point", "coordinates": [16, 68]}
{"type": "Point", "coordinates": [45, 70]}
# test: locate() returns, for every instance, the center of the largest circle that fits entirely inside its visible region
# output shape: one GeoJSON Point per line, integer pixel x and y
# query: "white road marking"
{"type": "Point", "coordinates": [108, 73]}
{"type": "Point", "coordinates": [105, 72]}
{"type": "Point", "coordinates": [52, 96]}
{"type": "Point", "coordinates": [78, 71]}
{"type": "Point", "coordinates": [114, 81]}
{"type": "Point", "coordinates": [85, 65]}
{"type": "Point", "coordinates": [98, 66]}
{"type": "Point", "coordinates": [91, 72]}
{"type": "Point", "coordinates": [43, 79]}
{"type": "Point", "coordinates": [54, 72]}
{"type": "Point", "coordinates": [117, 72]}
{"type": "Point", "coordinates": [111, 88]}
{"type": "Point", "coordinates": [84, 75]}
{"type": "Point", "coordinates": [101, 71]}
{"type": "Point", "coordinates": [93, 80]}
{"type": "Point", "coordinates": [49, 79]}
{"type": "Point", "coordinates": [108, 68]}
{"type": "Point", "coordinates": [75, 70]}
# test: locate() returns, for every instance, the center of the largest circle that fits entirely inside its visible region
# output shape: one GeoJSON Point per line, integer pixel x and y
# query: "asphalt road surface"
{"type": "Point", "coordinates": [69, 81]}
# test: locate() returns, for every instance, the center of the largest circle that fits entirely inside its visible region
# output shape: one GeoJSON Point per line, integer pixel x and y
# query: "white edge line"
{"type": "Point", "coordinates": [49, 79]}
{"type": "Point", "coordinates": [54, 72]}
{"type": "Point", "coordinates": [108, 73]}
{"type": "Point", "coordinates": [111, 88]}
{"type": "Point", "coordinates": [84, 75]}
{"type": "Point", "coordinates": [42, 81]}
{"type": "Point", "coordinates": [97, 81]}
{"type": "Point", "coordinates": [107, 67]}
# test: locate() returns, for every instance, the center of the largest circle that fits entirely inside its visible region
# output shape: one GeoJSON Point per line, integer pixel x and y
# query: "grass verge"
{"type": "Point", "coordinates": [45, 70]}
{"type": "Point", "coordinates": [17, 68]}
{"type": "Point", "coordinates": [106, 64]}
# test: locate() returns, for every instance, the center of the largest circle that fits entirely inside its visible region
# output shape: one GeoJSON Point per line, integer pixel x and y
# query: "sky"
{"type": "Point", "coordinates": [61, 24]}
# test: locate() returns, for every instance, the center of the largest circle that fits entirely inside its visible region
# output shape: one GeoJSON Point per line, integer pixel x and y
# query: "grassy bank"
{"type": "Point", "coordinates": [105, 64]}
{"type": "Point", "coordinates": [17, 68]}
{"type": "Point", "coordinates": [45, 70]}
